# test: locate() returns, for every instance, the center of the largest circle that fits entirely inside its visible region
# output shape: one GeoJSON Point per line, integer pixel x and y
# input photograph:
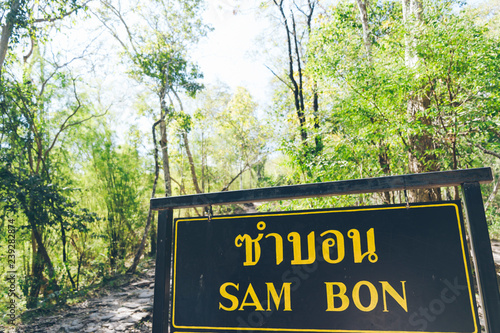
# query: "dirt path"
{"type": "Point", "coordinates": [127, 308]}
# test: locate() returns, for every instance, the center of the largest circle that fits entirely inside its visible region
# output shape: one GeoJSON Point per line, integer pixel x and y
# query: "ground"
{"type": "Point", "coordinates": [126, 305]}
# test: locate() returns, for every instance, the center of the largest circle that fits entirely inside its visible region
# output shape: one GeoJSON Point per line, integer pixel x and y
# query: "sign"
{"type": "Point", "coordinates": [364, 269]}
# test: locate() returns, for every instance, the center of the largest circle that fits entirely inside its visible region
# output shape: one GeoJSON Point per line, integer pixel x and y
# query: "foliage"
{"type": "Point", "coordinates": [30, 187]}
{"type": "Point", "coordinates": [229, 137]}
{"type": "Point", "coordinates": [23, 20]}
{"type": "Point", "coordinates": [29, 13]}
{"type": "Point", "coordinates": [298, 96]}
{"type": "Point", "coordinates": [457, 72]}
{"type": "Point", "coordinates": [115, 177]}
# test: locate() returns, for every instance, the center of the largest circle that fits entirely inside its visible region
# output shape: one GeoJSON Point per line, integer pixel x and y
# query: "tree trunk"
{"type": "Point", "coordinates": [43, 251]}
{"type": "Point", "coordinates": [36, 281]}
{"type": "Point", "coordinates": [191, 162]}
{"type": "Point", "coordinates": [296, 90]}
{"type": "Point", "coordinates": [140, 250]}
{"type": "Point", "coordinates": [366, 29]}
{"type": "Point", "coordinates": [164, 152]}
{"type": "Point", "coordinates": [317, 138]}
{"type": "Point", "coordinates": [411, 17]}
{"type": "Point", "coordinates": [40, 259]}
{"type": "Point", "coordinates": [36, 277]}
{"type": "Point", "coordinates": [152, 238]}
{"type": "Point", "coordinates": [421, 158]}
{"type": "Point", "coordinates": [65, 257]}
{"type": "Point", "coordinates": [383, 148]}
{"type": "Point", "coordinates": [7, 29]}
{"type": "Point", "coordinates": [385, 165]}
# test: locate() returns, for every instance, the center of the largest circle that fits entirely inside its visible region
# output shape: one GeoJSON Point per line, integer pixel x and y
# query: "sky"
{"type": "Point", "coordinates": [226, 54]}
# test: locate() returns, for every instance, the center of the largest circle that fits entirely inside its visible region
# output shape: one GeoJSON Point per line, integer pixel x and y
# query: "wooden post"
{"type": "Point", "coordinates": [483, 258]}
{"type": "Point", "coordinates": [161, 305]}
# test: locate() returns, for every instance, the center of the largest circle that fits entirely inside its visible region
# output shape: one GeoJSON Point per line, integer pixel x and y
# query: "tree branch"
{"type": "Point", "coordinates": [57, 68]}
{"type": "Point", "coordinates": [122, 20]}
{"type": "Point", "coordinates": [226, 187]}
{"type": "Point", "coordinates": [63, 15]}
{"type": "Point", "coordinates": [489, 152]}
{"type": "Point", "coordinates": [299, 65]}
{"type": "Point", "coordinates": [113, 33]}
{"type": "Point", "coordinates": [65, 124]}
{"type": "Point", "coordinates": [32, 46]}
{"type": "Point", "coordinates": [279, 78]}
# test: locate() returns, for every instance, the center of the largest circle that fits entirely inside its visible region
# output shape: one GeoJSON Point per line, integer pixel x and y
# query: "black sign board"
{"type": "Point", "coordinates": [363, 269]}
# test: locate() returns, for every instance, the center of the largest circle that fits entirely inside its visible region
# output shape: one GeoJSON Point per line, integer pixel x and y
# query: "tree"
{"type": "Point", "coordinates": [158, 53]}
{"type": "Point", "coordinates": [205, 123]}
{"type": "Point", "coordinates": [119, 182]}
{"type": "Point", "coordinates": [421, 158]}
{"type": "Point", "coordinates": [383, 156]}
{"type": "Point", "coordinates": [36, 113]}
{"type": "Point", "coordinates": [149, 220]}
{"type": "Point", "coordinates": [245, 136]}
{"type": "Point", "coordinates": [25, 19]}
{"type": "Point", "coordinates": [303, 86]}
{"type": "Point", "coordinates": [367, 38]}
{"type": "Point", "coordinates": [230, 137]}
{"type": "Point", "coordinates": [447, 61]}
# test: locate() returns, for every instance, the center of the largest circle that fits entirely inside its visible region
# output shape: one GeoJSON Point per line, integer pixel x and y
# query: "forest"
{"type": "Point", "coordinates": [104, 106]}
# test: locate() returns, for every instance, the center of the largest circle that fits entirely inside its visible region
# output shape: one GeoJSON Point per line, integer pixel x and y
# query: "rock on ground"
{"type": "Point", "coordinates": [128, 308]}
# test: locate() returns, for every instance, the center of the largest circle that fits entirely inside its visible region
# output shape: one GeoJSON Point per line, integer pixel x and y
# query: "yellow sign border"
{"type": "Point", "coordinates": [310, 213]}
